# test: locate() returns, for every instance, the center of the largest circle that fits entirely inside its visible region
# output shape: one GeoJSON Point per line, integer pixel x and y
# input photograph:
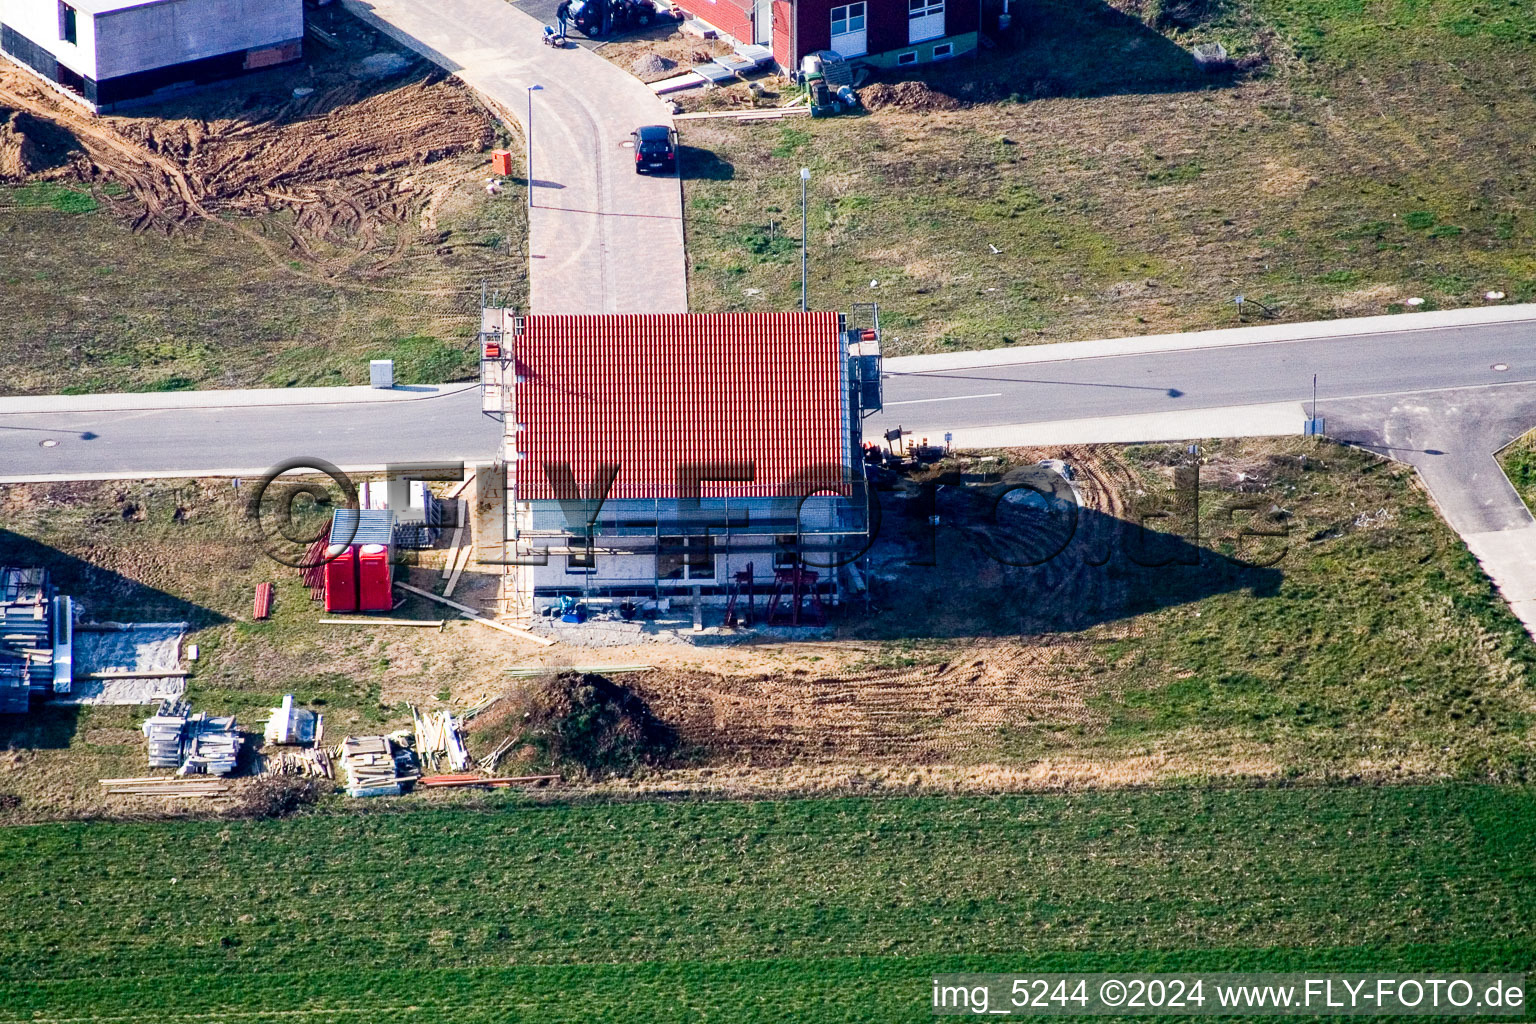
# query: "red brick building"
{"type": "Point", "coordinates": [883, 33]}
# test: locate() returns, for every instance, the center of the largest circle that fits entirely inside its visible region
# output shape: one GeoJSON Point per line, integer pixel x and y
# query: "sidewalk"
{"type": "Point", "coordinates": [1262, 334]}
{"type": "Point", "coordinates": [602, 239]}
{"type": "Point", "coordinates": [1451, 438]}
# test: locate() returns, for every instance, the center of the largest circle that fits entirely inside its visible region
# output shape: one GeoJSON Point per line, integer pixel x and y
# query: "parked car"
{"type": "Point", "coordinates": [655, 149]}
{"type": "Point", "coordinates": [595, 18]}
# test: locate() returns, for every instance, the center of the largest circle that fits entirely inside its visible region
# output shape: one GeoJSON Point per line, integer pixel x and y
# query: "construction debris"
{"type": "Point", "coordinates": [290, 725]}
{"type": "Point", "coordinates": [474, 616]}
{"type": "Point", "coordinates": [160, 785]}
{"type": "Point", "coordinates": [193, 744]}
{"type": "Point", "coordinates": [36, 641]}
{"type": "Point", "coordinates": [374, 767]}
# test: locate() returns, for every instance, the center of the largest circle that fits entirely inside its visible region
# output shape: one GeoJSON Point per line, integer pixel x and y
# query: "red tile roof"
{"type": "Point", "coordinates": [653, 392]}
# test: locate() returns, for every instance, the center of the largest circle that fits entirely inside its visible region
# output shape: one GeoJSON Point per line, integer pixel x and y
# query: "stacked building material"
{"type": "Point", "coordinates": [193, 744]}
{"type": "Point", "coordinates": [212, 745]}
{"type": "Point", "coordinates": [439, 741]}
{"type": "Point", "coordinates": [290, 725]}
{"type": "Point", "coordinates": [165, 733]}
{"type": "Point", "coordinates": [372, 767]}
{"type": "Point", "coordinates": [35, 638]}
{"type": "Point", "coordinates": [159, 785]}
{"type": "Point", "coordinates": [311, 761]}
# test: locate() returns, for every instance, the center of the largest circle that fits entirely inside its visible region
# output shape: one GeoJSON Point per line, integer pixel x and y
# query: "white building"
{"type": "Point", "coordinates": [108, 53]}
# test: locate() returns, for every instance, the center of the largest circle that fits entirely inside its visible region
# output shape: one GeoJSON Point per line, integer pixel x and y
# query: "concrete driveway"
{"type": "Point", "coordinates": [602, 239]}
{"type": "Point", "coordinates": [1450, 436]}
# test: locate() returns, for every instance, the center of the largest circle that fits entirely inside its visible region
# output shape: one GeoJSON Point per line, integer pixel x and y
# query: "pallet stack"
{"type": "Point", "coordinates": [371, 766]}
{"type": "Point", "coordinates": [193, 744]}
{"type": "Point", "coordinates": [164, 731]}
{"type": "Point", "coordinates": [212, 745]}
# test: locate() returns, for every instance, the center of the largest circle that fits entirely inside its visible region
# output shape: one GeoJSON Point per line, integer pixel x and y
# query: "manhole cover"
{"type": "Point", "coordinates": [50, 443]}
{"type": "Point", "coordinates": [1501, 367]}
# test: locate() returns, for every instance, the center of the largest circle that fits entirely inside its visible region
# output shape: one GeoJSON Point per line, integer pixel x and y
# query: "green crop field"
{"type": "Point", "coordinates": [815, 910]}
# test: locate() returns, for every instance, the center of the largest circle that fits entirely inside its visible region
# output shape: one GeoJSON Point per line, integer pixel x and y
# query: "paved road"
{"type": "Point", "coordinates": [133, 436]}
{"type": "Point", "coordinates": [996, 397]}
{"type": "Point", "coordinates": [602, 239]}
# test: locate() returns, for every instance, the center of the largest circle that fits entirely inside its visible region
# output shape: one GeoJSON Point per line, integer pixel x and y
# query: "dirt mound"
{"type": "Point", "coordinates": [29, 145]}
{"type": "Point", "coordinates": [651, 64]}
{"type": "Point", "coordinates": [907, 96]}
{"type": "Point", "coordinates": [581, 724]}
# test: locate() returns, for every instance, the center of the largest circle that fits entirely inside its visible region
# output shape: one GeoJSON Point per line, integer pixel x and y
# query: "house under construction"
{"type": "Point", "coordinates": [676, 457]}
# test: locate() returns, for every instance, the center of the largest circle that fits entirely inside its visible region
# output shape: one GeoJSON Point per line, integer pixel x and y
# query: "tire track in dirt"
{"type": "Point", "coordinates": [354, 168]}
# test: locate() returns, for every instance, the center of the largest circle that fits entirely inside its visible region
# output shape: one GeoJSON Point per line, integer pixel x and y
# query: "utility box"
{"type": "Point", "coordinates": [501, 163]}
{"type": "Point", "coordinates": [381, 373]}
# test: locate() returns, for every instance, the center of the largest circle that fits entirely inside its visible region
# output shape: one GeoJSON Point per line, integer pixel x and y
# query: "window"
{"type": "Point", "coordinates": [847, 19]}
{"type": "Point", "coordinates": [910, 57]}
{"type": "Point", "coordinates": [925, 20]}
{"type": "Point", "coordinates": [686, 558]}
{"type": "Point", "coordinates": [66, 22]}
{"type": "Point", "coordinates": [581, 559]}
{"type": "Point", "coordinates": [943, 50]}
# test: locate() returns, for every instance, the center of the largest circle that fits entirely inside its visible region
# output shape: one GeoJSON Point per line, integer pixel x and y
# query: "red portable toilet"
{"type": "Point", "coordinates": [373, 579]}
{"type": "Point", "coordinates": [341, 579]}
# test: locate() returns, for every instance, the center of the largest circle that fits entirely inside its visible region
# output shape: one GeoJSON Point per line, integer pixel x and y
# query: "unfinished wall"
{"type": "Point", "coordinates": [37, 22]}
{"type": "Point", "coordinates": [177, 31]}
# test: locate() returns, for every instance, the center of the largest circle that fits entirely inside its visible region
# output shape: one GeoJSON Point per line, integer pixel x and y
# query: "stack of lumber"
{"type": "Point", "coordinates": [438, 740]}
{"type": "Point", "coordinates": [369, 762]}
{"type": "Point", "coordinates": [313, 761]}
{"type": "Point", "coordinates": [160, 785]}
{"type": "Point", "coordinates": [164, 731]}
{"type": "Point", "coordinates": [456, 781]}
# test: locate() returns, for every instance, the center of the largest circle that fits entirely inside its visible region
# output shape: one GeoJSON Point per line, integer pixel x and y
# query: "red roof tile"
{"type": "Point", "coordinates": [651, 393]}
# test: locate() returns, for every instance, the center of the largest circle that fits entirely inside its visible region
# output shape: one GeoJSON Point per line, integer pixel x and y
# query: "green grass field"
{"type": "Point", "coordinates": [812, 911]}
{"type": "Point", "coordinates": [1094, 182]}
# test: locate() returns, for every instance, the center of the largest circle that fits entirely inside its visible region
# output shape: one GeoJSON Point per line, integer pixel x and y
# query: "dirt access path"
{"type": "Point", "coordinates": [602, 239]}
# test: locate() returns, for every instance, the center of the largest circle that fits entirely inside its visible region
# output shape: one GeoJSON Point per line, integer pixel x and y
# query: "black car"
{"type": "Point", "coordinates": [595, 18]}
{"type": "Point", "coordinates": [655, 149]}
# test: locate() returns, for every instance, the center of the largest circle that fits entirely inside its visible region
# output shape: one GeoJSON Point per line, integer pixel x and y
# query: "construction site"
{"type": "Point", "coordinates": [344, 196]}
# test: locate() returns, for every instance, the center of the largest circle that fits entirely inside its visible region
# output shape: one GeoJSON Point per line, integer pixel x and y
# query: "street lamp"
{"type": "Point", "coordinates": [529, 165]}
{"type": "Point", "coordinates": [805, 177]}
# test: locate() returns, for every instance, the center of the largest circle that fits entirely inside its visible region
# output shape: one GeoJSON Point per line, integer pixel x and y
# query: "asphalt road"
{"type": "Point", "coordinates": [929, 403]}
{"type": "Point", "coordinates": [121, 441]}
{"type": "Point", "coordinates": [246, 432]}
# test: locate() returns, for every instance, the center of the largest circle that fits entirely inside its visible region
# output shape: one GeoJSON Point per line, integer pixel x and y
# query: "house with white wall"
{"type": "Point", "coordinates": [108, 54]}
{"type": "Point", "coordinates": [680, 456]}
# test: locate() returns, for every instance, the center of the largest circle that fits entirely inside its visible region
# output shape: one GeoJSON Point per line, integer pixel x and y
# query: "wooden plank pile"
{"type": "Point", "coordinates": [262, 607]}
{"type": "Point", "coordinates": [314, 762]}
{"type": "Point", "coordinates": [167, 786]}
{"type": "Point", "coordinates": [372, 766]}
{"type": "Point", "coordinates": [439, 741]}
